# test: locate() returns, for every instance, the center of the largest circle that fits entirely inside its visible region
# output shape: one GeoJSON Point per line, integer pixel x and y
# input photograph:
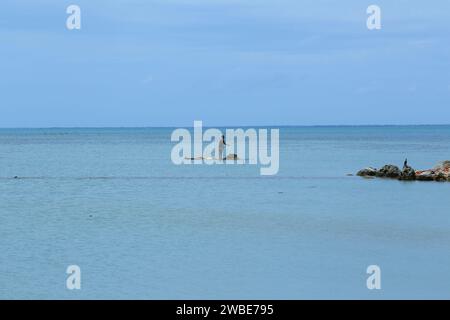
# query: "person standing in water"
{"type": "Point", "coordinates": [222, 145]}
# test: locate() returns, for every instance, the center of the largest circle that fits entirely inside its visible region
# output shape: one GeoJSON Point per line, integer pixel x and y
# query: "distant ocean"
{"type": "Point", "coordinates": [139, 227]}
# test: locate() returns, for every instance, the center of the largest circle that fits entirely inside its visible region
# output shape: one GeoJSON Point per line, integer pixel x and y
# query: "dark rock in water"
{"type": "Point", "coordinates": [367, 172]}
{"type": "Point", "coordinates": [408, 173]}
{"type": "Point", "coordinates": [389, 171]}
{"type": "Point", "coordinates": [440, 172]}
{"type": "Point", "coordinates": [440, 177]}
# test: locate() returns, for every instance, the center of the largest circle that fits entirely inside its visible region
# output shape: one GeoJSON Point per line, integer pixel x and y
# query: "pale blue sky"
{"type": "Point", "coordinates": [226, 62]}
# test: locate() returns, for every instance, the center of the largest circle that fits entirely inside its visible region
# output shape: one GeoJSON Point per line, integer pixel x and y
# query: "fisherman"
{"type": "Point", "coordinates": [222, 144]}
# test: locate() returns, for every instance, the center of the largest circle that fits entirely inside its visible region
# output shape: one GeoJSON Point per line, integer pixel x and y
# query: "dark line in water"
{"type": "Point", "coordinates": [176, 178]}
{"type": "Point", "coordinates": [189, 126]}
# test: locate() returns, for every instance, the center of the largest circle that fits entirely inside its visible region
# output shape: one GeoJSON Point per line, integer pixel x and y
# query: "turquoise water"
{"type": "Point", "coordinates": [112, 202]}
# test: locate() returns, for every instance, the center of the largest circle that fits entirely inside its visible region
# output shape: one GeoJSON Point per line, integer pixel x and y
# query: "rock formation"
{"type": "Point", "coordinates": [389, 171]}
{"type": "Point", "coordinates": [440, 172]}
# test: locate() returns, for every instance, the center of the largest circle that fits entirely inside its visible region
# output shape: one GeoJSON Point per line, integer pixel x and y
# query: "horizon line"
{"type": "Point", "coordinates": [229, 126]}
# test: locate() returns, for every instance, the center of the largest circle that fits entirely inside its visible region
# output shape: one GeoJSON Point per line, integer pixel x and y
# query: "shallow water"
{"type": "Point", "coordinates": [112, 202]}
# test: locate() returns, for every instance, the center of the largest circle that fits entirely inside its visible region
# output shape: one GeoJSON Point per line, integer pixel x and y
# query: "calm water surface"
{"type": "Point", "coordinates": [112, 202]}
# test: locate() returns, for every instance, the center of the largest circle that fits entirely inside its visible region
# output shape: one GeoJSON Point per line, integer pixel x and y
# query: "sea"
{"type": "Point", "coordinates": [111, 202]}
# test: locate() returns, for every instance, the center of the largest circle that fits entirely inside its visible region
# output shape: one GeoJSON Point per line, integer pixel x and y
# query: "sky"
{"type": "Point", "coordinates": [226, 62]}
